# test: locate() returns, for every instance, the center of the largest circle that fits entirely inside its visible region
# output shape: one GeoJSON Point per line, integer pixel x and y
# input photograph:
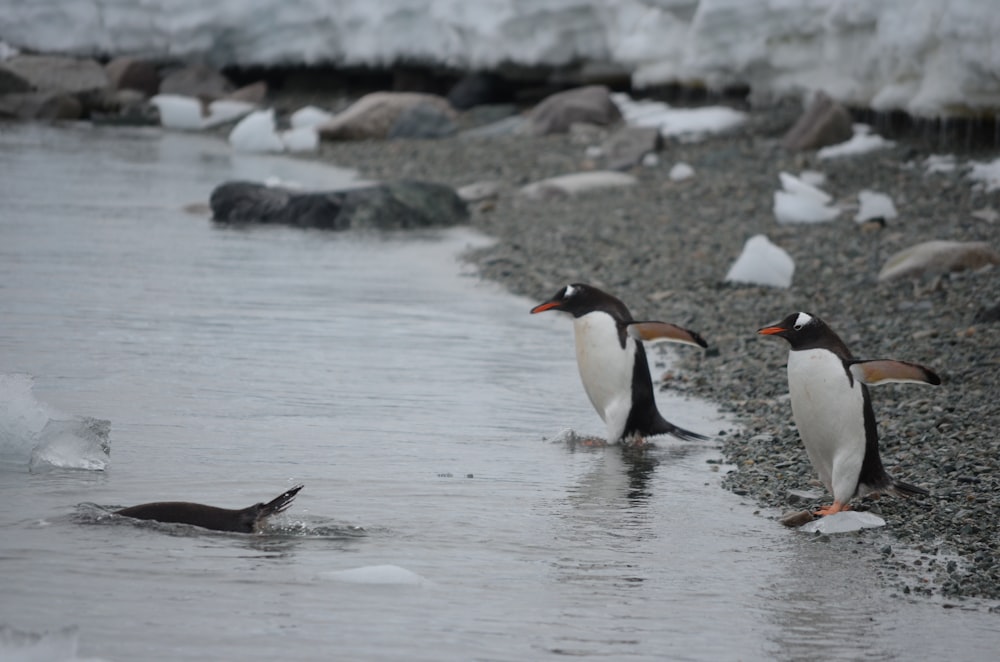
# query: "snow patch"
{"type": "Point", "coordinates": [986, 174]}
{"type": "Point", "coordinates": [813, 178]}
{"type": "Point", "coordinates": [762, 263]}
{"type": "Point", "coordinates": [863, 142]}
{"type": "Point", "coordinates": [309, 116]}
{"type": "Point", "coordinates": [874, 205]}
{"type": "Point", "coordinates": [800, 202]}
{"type": "Point", "coordinates": [940, 163]}
{"type": "Point", "coordinates": [681, 171]}
{"type": "Point", "coordinates": [686, 124]}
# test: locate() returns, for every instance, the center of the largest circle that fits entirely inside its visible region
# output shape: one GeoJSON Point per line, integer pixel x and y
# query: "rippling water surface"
{"type": "Point", "coordinates": [420, 409]}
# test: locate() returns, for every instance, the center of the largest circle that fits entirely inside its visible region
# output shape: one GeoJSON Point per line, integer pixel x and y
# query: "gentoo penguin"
{"type": "Point", "coordinates": [246, 520]}
{"type": "Point", "coordinates": [833, 409]}
{"type": "Point", "coordinates": [612, 361]}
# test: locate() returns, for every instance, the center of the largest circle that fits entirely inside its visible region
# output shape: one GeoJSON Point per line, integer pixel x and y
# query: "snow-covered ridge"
{"type": "Point", "coordinates": [927, 57]}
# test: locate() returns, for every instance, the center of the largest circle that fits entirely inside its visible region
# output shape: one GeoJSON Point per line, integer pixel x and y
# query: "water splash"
{"type": "Point", "coordinates": [38, 436]}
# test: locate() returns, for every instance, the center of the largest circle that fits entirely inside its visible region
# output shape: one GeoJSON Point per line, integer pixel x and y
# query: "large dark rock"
{"type": "Point", "coordinates": [49, 73]}
{"type": "Point", "coordinates": [423, 121]}
{"type": "Point", "coordinates": [40, 106]}
{"type": "Point", "coordinates": [478, 89]}
{"type": "Point", "coordinates": [591, 104]}
{"type": "Point", "coordinates": [373, 115]}
{"type": "Point", "coordinates": [11, 82]}
{"type": "Point", "coordinates": [988, 315]}
{"type": "Point", "coordinates": [129, 73]}
{"type": "Point", "coordinates": [825, 122]}
{"type": "Point", "coordinates": [626, 147]}
{"type": "Point", "coordinates": [387, 206]}
{"type": "Point", "coordinates": [197, 81]}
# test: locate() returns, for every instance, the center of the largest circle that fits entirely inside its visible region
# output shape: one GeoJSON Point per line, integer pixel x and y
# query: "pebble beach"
{"type": "Point", "coordinates": [664, 248]}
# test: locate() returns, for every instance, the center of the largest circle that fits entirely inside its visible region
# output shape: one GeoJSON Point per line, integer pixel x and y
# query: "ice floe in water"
{"type": "Point", "coordinates": [37, 436]}
{"type": "Point", "coordinates": [256, 133]}
{"type": "Point", "coordinates": [190, 113]}
{"type": "Point", "coordinates": [843, 522]}
{"type": "Point", "coordinates": [376, 574]}
{"type": "Point", "coordinates": [762, 263]}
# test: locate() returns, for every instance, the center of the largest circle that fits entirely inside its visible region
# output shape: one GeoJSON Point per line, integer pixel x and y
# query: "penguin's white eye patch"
{"type": "Point", "coordinates": [570, 291]}
{"type": "Point", "coordinates": [802, 320]}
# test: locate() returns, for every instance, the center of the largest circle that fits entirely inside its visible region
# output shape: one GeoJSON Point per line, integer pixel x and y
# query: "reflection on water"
{"type": "Point", "coordinates": [412, 402]}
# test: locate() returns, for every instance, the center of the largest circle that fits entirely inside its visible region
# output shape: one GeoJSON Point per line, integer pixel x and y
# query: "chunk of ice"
{"type": "Point", "coordinates": [762, 263]}
{"type": "Point", "coordinates": [843, 522]}
{"type": "Point", "coordinates": [376, 574]}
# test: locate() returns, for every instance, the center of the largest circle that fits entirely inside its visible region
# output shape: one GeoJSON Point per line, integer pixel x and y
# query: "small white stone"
{"type": "Point", "coordinates": [577, 183]}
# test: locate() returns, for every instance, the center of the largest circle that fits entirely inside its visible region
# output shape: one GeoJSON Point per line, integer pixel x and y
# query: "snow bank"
{"type": "Point", "coordinates": [926, 57]}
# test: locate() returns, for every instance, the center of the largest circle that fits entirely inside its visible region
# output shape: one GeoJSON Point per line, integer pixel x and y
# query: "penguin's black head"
{"type": "Point", "coordinates": [806, 331]}
{"type": "Point", "coordinates": [578, 299]}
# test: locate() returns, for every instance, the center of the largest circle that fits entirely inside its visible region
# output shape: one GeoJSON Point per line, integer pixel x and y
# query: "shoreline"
{"type": "Point", "coordinates": [664, 247]}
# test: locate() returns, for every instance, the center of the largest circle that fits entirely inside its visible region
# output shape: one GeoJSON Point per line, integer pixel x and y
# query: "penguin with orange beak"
{"type": "Point", "coordinates": [832, 408]}
{"type": "Point", "coordinates": [612, 361]}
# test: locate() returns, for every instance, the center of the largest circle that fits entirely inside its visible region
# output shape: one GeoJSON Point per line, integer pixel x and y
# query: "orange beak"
{"type": "Point", "coordinates": [542, 307]}
{"type": "Point", "coordinates": [771, 330]}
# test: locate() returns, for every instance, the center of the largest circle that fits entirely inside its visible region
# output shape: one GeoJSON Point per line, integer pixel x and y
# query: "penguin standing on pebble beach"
{"type": "Point", "coordinates": [833, 409]}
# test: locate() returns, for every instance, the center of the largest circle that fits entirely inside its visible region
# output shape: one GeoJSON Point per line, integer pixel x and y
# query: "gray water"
{"type": "Point", "coordinates": [421, 408]}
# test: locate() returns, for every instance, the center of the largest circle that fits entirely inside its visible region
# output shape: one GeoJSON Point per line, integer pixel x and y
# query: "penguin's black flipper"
{"type": "Point", "coordinates": [664, 331]}
{"type": "Point", "coordinates": [906, 490]}
{"type": "Point", "coordinates": [279, 503]}
{"type": "Point", "coordinates": [887, 371]}
{"type": "Point", "coordinates": [680, 433]}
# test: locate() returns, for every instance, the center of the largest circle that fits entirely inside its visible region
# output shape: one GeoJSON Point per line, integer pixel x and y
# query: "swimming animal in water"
{"type": "Point", "coordinates": [243, 520]}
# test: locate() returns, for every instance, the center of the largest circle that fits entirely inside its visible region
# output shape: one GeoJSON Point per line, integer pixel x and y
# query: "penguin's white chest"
{"type": "Point", "coordinates": [828, 408]}
{"type": "Point", "coordinates": [605, 368]}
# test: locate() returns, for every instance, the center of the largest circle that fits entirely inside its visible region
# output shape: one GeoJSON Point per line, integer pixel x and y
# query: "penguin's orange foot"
{"type": "Point", "coordinates": [592, 442]}
{"type": "Point", "coordinates": [830, 510]}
